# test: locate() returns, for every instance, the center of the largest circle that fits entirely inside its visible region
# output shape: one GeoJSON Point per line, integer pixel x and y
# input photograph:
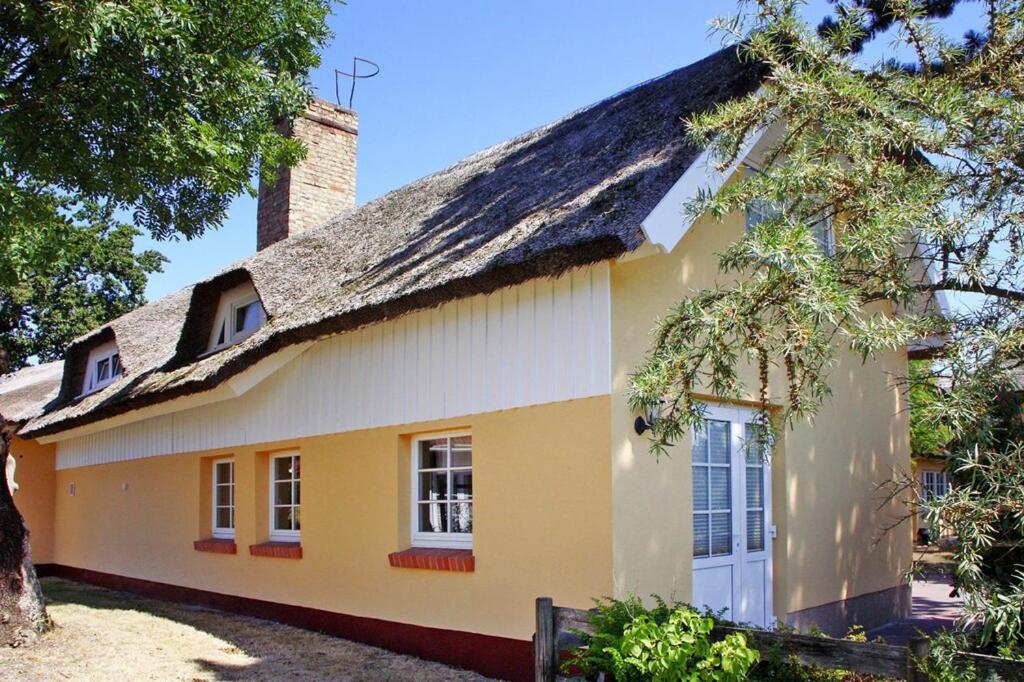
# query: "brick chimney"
{"type": "Point", "coordinates": [321, 185]}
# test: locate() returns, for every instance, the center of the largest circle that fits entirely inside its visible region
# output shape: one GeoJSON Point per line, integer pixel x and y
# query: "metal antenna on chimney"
{"type": "Point", "coordinates": [355, 75]}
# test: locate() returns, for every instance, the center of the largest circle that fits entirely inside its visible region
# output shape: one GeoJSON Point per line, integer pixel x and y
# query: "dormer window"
{"type": "Point", "coordinates": [239, 314]}
{"type": "Point", "coordinates": [103, 369]}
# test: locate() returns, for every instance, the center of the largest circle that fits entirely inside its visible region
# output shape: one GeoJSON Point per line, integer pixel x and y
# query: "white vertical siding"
{"type": "Point", "coordinates": [542, 341]}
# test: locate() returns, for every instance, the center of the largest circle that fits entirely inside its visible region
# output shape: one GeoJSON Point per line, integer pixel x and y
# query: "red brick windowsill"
{"type": "Point", "coordinates": [216, 545]}
{"type": "Point", "coordinates": [281, 550]}
{"type": "Point", "coordinates": [434, 559]}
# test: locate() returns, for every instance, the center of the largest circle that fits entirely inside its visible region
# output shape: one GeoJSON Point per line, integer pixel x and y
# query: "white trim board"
{"type": "Point", "coordinates": [668, 223]}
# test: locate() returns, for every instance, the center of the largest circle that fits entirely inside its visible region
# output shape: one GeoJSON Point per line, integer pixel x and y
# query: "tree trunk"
{"type": "Point", "coordinates": [22, 610]}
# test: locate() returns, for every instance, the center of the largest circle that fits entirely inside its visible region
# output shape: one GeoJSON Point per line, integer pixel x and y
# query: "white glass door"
{"type": "Point", "coordinates": [732, 518]}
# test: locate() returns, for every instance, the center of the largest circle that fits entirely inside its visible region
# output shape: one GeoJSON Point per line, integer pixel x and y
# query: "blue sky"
{"type": "Point", "coordinates": [457, 76]}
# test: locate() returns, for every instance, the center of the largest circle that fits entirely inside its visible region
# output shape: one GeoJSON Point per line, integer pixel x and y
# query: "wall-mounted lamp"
{"type": "Point", "coordinates": [641, 425]}
{"type": "Point", "coordinates": [644, 423]}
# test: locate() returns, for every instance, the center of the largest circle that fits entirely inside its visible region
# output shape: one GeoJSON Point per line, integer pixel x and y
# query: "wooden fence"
{"type": "Point", "coordinates": [556, 628]}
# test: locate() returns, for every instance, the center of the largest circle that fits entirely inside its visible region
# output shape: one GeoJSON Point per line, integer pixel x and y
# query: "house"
{"type": "Point", "coordinates": [401, 422]}
{"type": "Point", "coordinates": [932, 479]}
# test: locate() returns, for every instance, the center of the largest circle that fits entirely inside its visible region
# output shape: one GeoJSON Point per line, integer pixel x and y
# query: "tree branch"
{"type": "Point", "coordinates": [973, 288]}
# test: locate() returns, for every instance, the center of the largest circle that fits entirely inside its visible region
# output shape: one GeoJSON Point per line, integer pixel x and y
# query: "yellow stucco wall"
{"type": "Point", "coordinates": [542, 521]}
{"type": "Point", "coordinates": [35, 497]}
{"type": "Point", "coordinates": [824, 474]}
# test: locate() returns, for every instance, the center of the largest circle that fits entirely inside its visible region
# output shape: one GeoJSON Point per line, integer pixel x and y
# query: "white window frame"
{"type": "Point", "coordinates": [219, 532]}
{"type": "Point", "coordinates": [231, 301]}
{"type": "Point", "coordinates": [437, 540]}
{"type": "Point", "coordinates": [97, 355]}
{"type": "Point", "coordinates": [287, 535]}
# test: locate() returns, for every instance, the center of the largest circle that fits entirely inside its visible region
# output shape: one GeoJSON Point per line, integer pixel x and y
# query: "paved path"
{"type": "Point", "coordinates": [933, 609]}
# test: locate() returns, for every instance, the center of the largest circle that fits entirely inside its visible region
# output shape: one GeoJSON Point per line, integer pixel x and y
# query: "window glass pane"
{"type": "Point", "coordinates": [721, 496]}
{"type": "Point", "coordinates": [433, 517]}
{"type": "Point", "coordinates": [224, 518]}
{"type": "Point", "coordinates": [721, 533]}
{"type": "Point", "coordinates": [461, 517]}
{"type": "Point", "coordinates": [462, 485]}
{"type": "Point", "coordinates": [758, 210]}
{"type": "Point", "coordinates": [700, 487]}
{"type": "Point", "coordinates": [223, 472]}
{"type": "Point", "coordinates": [103, 369]}
{"type": "Point", "coordinates": [283, 493]}
{"type": "Point", "coordinates": [283, 518]}
{"type": "Point", "coordinates": [296, 492]}
{"type": "Point", "coordinates": [223, 496]}
{"type": "Point", "coordinates": [220, 337]}
{"type": "Point", "coordinates": [701, 536]}
{"type": "Point", "coordinates": [755, 531]}
{"type": "Point", "coordinates": [115, 365]}
{"type": "Point", "coordinates": [247, 317]}
{"type": "Point", "coordinates": [753, 444]}
{"type": "Point", "coordinates": [286, 468]}
{"type": "Point", "coordinates": [699, 451]}
{"type": "Point", "coordinates": [434, 486]}
{"type": "Point", "coordinates": [434, 454]}
{"type": "Point", "coordinates": [718, 442]}
{"type": "Point", "coordinates": [824, 236]}
{"type": "Point", "coordinates": [462, 455]}
{"type": "Point", "coordinates": [755, 488]}
{"type": "Point", "coordinates": [296, 515]}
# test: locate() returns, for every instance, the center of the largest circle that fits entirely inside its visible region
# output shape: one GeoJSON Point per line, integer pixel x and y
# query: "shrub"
{"type": "Point", "coordinates": [664, 643]}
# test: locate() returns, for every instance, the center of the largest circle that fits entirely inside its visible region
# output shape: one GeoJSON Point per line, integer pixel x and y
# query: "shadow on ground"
{"type": "Point", "coordinates": [270, 650]}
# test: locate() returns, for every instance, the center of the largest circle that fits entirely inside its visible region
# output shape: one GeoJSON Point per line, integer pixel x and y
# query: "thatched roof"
{"type": "Point", "coordinates": [24, 393]}
{"type": "Point", "coordinates": [568, 194]}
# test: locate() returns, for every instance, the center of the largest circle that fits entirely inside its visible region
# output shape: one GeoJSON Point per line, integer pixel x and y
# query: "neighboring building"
{"type": "Point", "coordinates": [932, 479]}
{"type": "Point", "coordinates": [22, 396]}
{"type": "Point", "coordinates": [405, 424]}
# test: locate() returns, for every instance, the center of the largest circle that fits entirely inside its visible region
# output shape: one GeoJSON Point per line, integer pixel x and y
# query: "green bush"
{"type": "Point", "coordinates": [776, 664]}
{"type": "Point", "coordinates": [664, 643]}
{"type": "Point", "coordinates": [943, 665]}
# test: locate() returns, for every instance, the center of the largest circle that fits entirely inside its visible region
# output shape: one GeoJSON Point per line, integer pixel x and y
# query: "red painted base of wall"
{"type": "Point", "coordinates": [502, 657]}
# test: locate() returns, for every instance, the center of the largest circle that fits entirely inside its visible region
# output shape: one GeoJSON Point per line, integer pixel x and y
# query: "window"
{"type": "Point", "coordinates": [103, 368]}
{"type": "Point", "coordinates": [285, 497]}
{"type": "Point", "coordinates": [759, 210]}
{"type": "Point", "coordinates": [712, 489]}
{"type": "Point", "coordinates": [934, 484]}
{"type": "Point", "coordinates": [239, 315]}
{"type": "Point", "coordinates": [442, 495]}
{"type": "Point", "coordinates": [224, 498]}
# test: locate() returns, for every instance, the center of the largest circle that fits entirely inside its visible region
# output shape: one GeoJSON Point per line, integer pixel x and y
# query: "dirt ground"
{"type": "Point", "coordinates": [105, 635]}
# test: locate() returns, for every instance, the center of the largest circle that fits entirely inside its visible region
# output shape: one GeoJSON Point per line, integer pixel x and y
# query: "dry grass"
{"type": "Point", "coordinates": [105, 635]}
